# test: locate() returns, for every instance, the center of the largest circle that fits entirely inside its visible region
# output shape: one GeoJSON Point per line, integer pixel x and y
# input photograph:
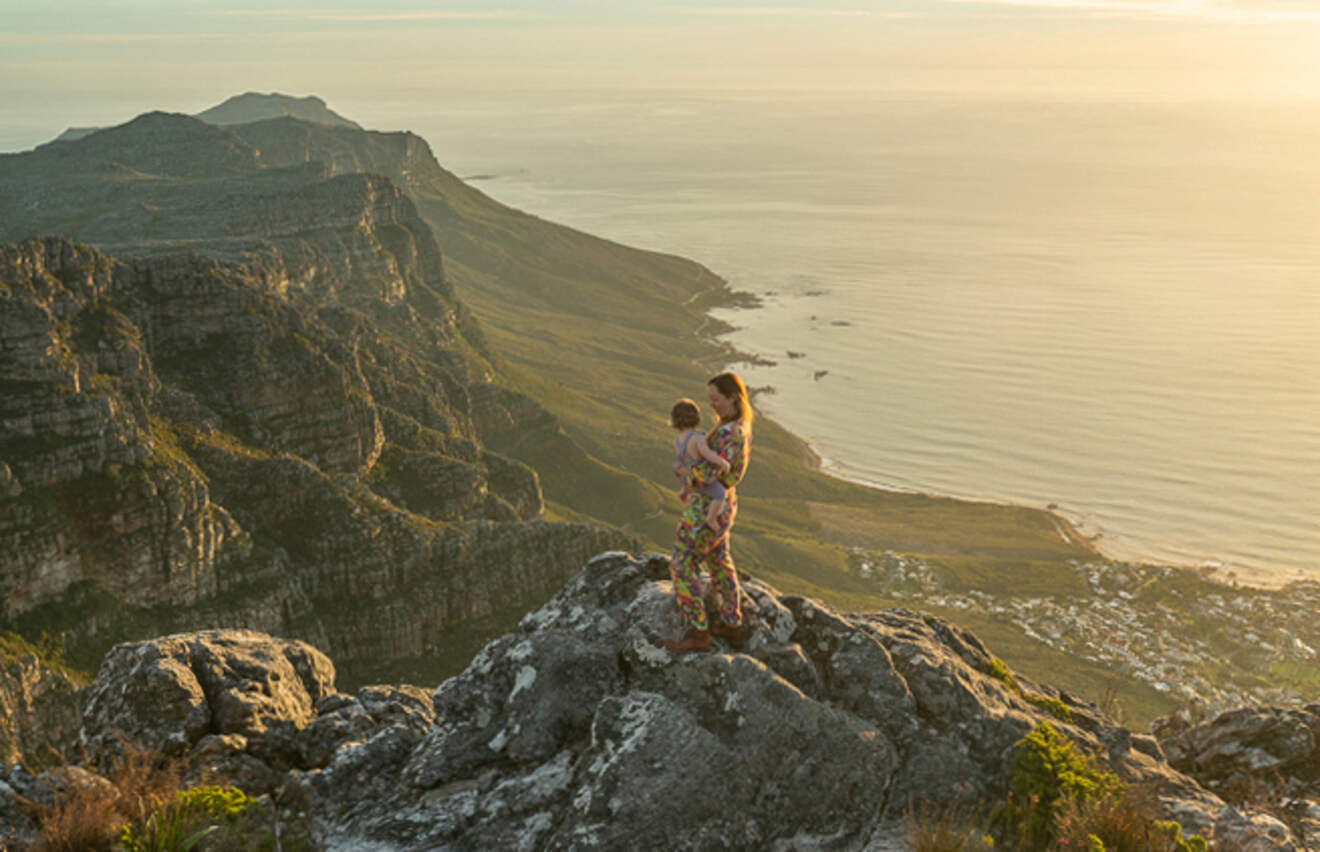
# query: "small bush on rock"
{"type": "Point", "coordinates": [1053, 706]}
{"type": "Point", "coordinates": [1000, 671]}
{"type": "Point", "coordinates": [142, 805]}
{"type": "Point", "coordinates": [1048, 772]}
{"type": "Point", "coordinates": [1059, 799]}
{"type": "Point", "coordinates": [194, 815]}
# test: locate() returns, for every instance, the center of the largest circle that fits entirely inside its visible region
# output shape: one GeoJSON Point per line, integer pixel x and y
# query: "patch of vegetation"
{"type": "Point", "coordinates": [1048, 772]}
{"type": "Point", "coordinates": [952, 828]}
{"type": "Point", "coordinates": [200, 818]}
{"type": "Point", "coordinates": [147, 807]}
{"type": "Point", "coordinates": [189, 437]}
{"type": "Point", "coordinates": [1301, 675]}
{"type": "Point", "coordinates": [168, 454]}
{"type": "Point", "coordinates": [83, 603]}
{"type": "Point", "coordinates": [1060, 798]}
{"type": "Point", "coordinates": [48, 651]}
{"type": "Point", "coordinates": [1053, 706]}
{"type": "Point", "coordinates": [1126, 820]}
{"type": "Point", "coordinates": [99, 324]}
{"type": "Point", "coordinates": [1002, 673]}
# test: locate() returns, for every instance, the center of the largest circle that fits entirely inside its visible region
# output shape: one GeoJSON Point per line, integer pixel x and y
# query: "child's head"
{"type": "Point", "coordinates": [685, 415]}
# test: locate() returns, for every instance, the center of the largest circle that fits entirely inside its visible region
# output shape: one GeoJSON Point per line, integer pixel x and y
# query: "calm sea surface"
{"type": "Point", "coordinates": [1111, 307]}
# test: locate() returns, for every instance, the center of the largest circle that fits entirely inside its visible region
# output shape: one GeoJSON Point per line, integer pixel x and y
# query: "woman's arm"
{"type": "Point", "coordinates": [732, 444]}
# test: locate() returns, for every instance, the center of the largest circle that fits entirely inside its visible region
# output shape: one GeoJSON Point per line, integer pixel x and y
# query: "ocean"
{"type": "Point", "coordinates": [1107, 307]}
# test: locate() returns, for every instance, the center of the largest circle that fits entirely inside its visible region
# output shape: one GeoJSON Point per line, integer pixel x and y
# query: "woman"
{"type": "Point", "coordinates": [697, 542]}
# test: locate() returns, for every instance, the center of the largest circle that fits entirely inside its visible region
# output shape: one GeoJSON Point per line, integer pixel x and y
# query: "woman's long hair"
{"type": "Point", "coordinates": [729, 385]}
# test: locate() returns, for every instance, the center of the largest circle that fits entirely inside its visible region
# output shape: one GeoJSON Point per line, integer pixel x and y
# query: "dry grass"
{"type": "Point", "coordinates": [88, 818]}
{"type": "Point", "coordinates": [1129, 820]}
{"type": "Point", "coordinates": [1110, 702]}
{"type": "Point", "coordinates": [1267, 794]}
{"type": "Point", "coordinates": [947, 828]}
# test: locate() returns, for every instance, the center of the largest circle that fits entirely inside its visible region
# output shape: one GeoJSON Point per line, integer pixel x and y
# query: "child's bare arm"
{"type": "Point", "coordinates": [704, 450]}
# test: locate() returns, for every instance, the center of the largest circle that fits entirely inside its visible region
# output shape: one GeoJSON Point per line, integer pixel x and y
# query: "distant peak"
{"type": "Point", "coordinates": [255, 106]}
{"type": "Point", "coordinates": [162, 144]}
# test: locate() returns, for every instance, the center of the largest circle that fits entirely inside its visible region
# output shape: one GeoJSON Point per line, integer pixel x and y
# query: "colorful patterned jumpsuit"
{"type": "Point", "coordinates": [695, 543]}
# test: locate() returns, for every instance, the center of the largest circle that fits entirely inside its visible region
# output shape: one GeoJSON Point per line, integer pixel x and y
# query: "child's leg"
{"type": "Point", "coordinates": [713, 514]}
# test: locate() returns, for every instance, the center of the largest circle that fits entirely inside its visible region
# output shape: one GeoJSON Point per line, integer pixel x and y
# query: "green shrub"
{"type": "Point", "coordinates": [1173, 834]}
{"type": "Point", "coordinates": [1053, 706]}
{"type": "Point", "coordinates": [1000, 671]}
{"type": "Point", "coordinates": [194, 815]}
{"type": "Point", "coordinates": [1048, 771]}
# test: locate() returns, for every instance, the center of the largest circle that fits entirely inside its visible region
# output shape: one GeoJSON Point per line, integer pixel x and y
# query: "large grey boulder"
{"type": "Point", "coordinates": [236, 704]}
{"type": "Point", "coordinates": [166, 694]}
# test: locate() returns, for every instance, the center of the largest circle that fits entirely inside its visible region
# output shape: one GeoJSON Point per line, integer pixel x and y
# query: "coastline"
{"type": "Point", "coordinates": [1070, 529]}
{"type": "Point", "coordinates": [729, 357]}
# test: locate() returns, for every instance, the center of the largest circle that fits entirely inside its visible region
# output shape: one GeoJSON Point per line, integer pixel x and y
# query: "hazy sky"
{"type": "Point", "coordinates": [189, 54]}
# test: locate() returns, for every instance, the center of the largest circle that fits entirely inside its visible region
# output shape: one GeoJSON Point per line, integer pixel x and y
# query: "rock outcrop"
{"type": "Point", "coordinates": [579, 730]}
{"type": "Point", "coordinates": [1258, 753]}
{"type": "Point", "coordinates": [40, 705]}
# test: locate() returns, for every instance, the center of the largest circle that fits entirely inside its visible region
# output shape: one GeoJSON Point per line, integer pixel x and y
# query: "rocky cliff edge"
{"type": "Point", "coordinates": [580, 731]}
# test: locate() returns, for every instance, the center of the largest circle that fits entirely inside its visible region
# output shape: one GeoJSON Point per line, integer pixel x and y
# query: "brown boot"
{"type": "Point", "coordinates": [693, 640]}
{"type": "Point", "coordinates": [736, 636]}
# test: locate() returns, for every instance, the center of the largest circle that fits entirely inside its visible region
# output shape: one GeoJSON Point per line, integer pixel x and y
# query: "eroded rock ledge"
{"type": "Point", "coordinates": [580, 731]}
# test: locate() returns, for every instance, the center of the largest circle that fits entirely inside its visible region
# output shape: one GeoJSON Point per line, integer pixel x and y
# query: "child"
{"type": "Point", "coordinates": [691, 449]}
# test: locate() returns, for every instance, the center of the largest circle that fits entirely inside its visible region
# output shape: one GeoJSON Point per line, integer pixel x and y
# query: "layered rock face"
{"type": "Point", "coordinates": [272, 429]}
{"type": "Point", "coordinates": [580, 730]}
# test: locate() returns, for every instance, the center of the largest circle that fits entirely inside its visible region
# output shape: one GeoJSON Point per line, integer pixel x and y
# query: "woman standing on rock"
{"type": "Point", "coordinates": [697, 542]}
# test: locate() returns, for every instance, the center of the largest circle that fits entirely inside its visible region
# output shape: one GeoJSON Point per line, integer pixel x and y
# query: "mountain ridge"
{"type": "Point", "coordinates": [158, 395]}
{"type": "Point", "coordinates": [249, 106]}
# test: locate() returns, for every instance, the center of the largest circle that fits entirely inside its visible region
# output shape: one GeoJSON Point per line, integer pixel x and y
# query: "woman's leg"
{"type": "Point", "coordinates": [723, 576]}
{"type": "Point", "coordinates": [725, 579]}
{"type": "Point", "coordinates": [691, 540]}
